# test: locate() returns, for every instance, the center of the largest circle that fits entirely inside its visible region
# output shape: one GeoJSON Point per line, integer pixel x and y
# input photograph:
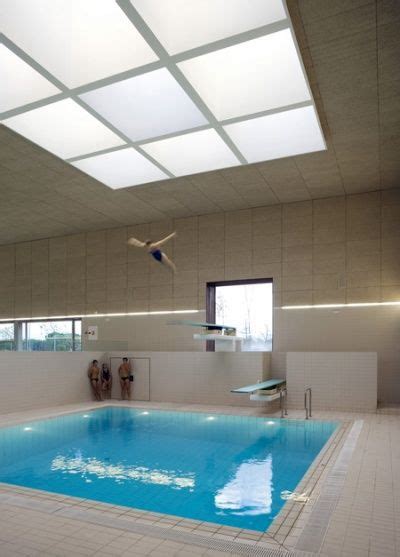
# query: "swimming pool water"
{"type": "Point", "coordinates": [231, 470]}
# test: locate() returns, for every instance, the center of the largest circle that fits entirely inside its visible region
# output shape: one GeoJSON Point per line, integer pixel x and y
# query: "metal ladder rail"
{"type": "Point", "coordinates": [283, 402]}
{"type": "Point", "coordinates": [308, 402]}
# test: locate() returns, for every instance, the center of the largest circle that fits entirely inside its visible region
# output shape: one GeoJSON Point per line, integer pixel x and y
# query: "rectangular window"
{"type": "Point", "coordinates": [61, 335]}
{"type": "Point", "coordinates": [7, 336]}
{"type": "Point", "coordinates": [246, 305]}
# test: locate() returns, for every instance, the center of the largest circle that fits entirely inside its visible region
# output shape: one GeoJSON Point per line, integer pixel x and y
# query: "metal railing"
{"type": "Point", "coordinates": [283, 401]}
{"type": "Point", "coordinates": [308, 402]}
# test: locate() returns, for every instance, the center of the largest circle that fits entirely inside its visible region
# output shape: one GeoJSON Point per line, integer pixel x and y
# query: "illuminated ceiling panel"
{"type": "Point", "coordinates": [77, 41]}
{"type": "Point", "coordinates": [65, 129]}
{"type": "Point", "coordinates": [20, 84]}
{"type": "Point", "coordinates": [121, 169]}
{"type": "Point", "coordinates": [182, 86]}
{"type": "Point", "coordinates": [184, 24]}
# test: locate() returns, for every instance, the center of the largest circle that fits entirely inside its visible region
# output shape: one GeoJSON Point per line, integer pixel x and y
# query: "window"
{"type": "Point", "coordinates": [245, 305]}
{"type": "Point", "coordinates": [7, 336]}
{"type": "Point", "coordinates": [62, 335]}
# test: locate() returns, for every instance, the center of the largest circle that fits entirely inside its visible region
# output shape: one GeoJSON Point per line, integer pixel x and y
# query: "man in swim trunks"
{"type": "Point", "coordinates": [94, 378]}
{"type": "Point", "coordinates": [153, 248]}
{"type": "Point", "coordinates": [124, 372]}
{"type": "Point", "coordinates": [106, 380]}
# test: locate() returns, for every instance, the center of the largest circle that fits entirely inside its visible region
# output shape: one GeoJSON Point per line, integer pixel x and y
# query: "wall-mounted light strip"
{"type": "Point", "coordinates": [93, 315]}
{"type": "Point", "coordinates": [350, 305]}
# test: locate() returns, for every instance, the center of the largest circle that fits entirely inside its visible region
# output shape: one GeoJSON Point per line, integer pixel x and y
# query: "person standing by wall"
{"type": "Point", "coordinates": [94, 378]}
{"type": "Point", "coordinates": [106, 380]}
{"type": "Point", "coordinates": [124, 372]}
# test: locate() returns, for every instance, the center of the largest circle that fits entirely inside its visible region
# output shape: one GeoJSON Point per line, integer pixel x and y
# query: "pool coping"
{"type": "Point", "coordinates": [283, 533]}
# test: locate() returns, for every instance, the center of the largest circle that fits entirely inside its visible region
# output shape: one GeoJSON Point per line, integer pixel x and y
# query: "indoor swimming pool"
{"type": "Point", "coordinates": [232, 470]}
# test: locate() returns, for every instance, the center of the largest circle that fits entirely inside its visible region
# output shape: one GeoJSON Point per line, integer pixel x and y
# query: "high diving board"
{"type": "Point", "coordinates": [208, 326]}
{"type": "Point", "coordinates": [270, 384]}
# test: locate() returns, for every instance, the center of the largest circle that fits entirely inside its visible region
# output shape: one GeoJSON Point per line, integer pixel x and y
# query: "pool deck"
{"type": "Point", "coordinates": [350, 505]}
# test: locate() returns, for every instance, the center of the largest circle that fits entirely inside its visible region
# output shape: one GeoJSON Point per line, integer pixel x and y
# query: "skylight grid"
{"type": "Point", "coordinates": [156, 90]}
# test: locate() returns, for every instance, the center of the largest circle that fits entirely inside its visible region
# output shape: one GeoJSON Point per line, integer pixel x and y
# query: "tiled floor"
{"type": "Point", "coordinates": [351, 506]}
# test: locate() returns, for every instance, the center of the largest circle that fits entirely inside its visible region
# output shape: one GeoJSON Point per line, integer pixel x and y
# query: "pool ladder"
{"type": "Point", "coordinates": [308, 402]}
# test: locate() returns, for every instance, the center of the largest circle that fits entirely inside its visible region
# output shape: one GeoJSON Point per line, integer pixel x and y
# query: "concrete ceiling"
{"type": "Point", "coordinates": [351, 53]}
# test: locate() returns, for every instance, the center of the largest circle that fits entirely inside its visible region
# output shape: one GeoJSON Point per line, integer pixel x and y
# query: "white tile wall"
{"type": "Point", "coordinates": [202, 377]}
{"type": "Point", "coordinates": [40, 379]}
{"type": "Point", "coordinates": [339, 380]}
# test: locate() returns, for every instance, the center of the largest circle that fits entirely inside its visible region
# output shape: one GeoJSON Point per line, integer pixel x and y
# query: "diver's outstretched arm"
{"type": "Point", "coordinates": [137, 243]}
{"type": "Point", "coordinates": [164, 240]}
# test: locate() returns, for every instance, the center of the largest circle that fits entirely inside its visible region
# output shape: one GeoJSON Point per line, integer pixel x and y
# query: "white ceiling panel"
{"type": "Point", "coordinates": [77, 41]}
{"type": "Point", "coordinates": [253, 76]}
{"type": "Point", "coordinates": [20, 84]}
{"type": "Point", "coordinates": [278, 135]}
{"type": "Point", "coordinates": [65, 129]}
{"type": "Point", "coordinates": [184, 24]}
{"type": "Point", "coordinates": [192, 153]}
{"type": "Point", "coordinates": [149, 105]}
{"type": "Point", "coordinates": [121, 169]}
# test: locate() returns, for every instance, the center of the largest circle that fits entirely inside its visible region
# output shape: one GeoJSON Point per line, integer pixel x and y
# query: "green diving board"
{"type": "Point", "coordinates": [270, 384]}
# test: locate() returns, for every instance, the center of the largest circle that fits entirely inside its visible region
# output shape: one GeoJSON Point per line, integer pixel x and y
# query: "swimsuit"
{"type": "Point", "coordinates": [157, 254]}
{"type": "Point", "coordinates": [94, 378]}
{"type": "Point", "coordinates": [124, 378]}
{"type": "Point", "coordinates": [106, 375]}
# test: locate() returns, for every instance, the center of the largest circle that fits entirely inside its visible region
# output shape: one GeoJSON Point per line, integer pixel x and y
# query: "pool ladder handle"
{"type": "Point", "coordinates": [308, 402]}
{"type": "Point", "coordinates": [283, 401]}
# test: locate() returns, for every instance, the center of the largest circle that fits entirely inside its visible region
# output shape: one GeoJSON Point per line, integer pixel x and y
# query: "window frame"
{"type": "Point", "coordinates": [21, 327]}
{"type": "Point", "coordinates": [211, 299]}
{"type": "Point", "coordinates": [14, 341]}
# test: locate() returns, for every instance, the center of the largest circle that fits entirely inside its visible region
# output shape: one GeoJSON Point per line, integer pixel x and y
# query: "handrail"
{"type": "Point", "coordinates": [282, 399]}
{"type": "Point", "coordinates": [308, 407]}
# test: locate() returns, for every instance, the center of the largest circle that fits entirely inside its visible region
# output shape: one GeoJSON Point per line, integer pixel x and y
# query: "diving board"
{"type": "Point", "coordinates": [270, 384]}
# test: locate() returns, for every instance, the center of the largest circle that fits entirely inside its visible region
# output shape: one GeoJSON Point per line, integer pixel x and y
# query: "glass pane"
{"type": "Point", "coordinates": [248, 307]}
{"type": "Point", "coordinates": [53, 336]}
{"type": "Point", "coordinates": [7, 341]}
{"type": "Point", "coordinates": [78, 335]}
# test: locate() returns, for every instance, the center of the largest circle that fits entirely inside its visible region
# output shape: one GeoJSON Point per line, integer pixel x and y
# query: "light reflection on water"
{"type": "Point", "coordinates": [249, 492]}
{"type": "Point", "coordinates": [121, 472]}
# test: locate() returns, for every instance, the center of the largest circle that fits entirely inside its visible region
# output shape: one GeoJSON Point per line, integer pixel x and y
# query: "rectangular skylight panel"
{"type": "Point", "coordinates": [184, 24]}
{"type": "Point", "coordinates": [20, 84]}
{"type": "Point", "coordinates": [77, 41]}
{"type": "Point", "coordinates": [192, 153]}
{"type": "Point", "coordinates": [284, 134]}
{"type": "Point", "coordinates": [257, 75]}
{"type": "Point", "coordinates": [146, 106]}
{"type": "Point", "coordinates": [121, 169]}
{"type": "Point", "coordinates": [65, 129]}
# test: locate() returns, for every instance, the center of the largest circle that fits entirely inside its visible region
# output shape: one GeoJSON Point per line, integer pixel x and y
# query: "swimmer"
{"type": "Point", "coordinates": [124, 372]}
{"type": "Point", "coordinates": [94, 377]}
{"type": "Point", "coordinates": [153, 248]}
{"type": "Point", "coordinates": [106, 380]}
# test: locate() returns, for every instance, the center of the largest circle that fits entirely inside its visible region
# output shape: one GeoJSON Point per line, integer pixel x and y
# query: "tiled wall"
{"type": "Point", "coordinates": [339, 380]}
{"type": "Point", "coordinates": [325, 251]}
{"type": "Point", "coordinates": [43, 379]}
{"type": "Point", "coordinates": [342, 249]}
{"type": "Point", "coordinates": [203, 378]}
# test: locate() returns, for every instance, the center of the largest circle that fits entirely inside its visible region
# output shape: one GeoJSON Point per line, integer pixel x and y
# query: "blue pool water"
{"type": "Point", "coordinates": [231, 470]}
